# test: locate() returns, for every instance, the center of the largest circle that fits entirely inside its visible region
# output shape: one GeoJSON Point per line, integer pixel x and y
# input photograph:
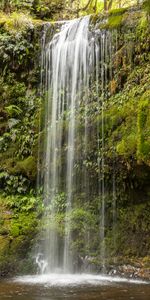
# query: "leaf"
{"type": "Point", "coordinates": [13, 110]}
{"type": "Point", "coordinates": [12, 122]}
{"type": "Point", "coordinates": [3, 175]}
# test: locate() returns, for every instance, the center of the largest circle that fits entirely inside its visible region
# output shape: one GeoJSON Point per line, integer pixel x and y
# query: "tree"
{"type": "Point", "coordinates": [108, 4]}
{"type": "Point", "coordinates": [6, 4]}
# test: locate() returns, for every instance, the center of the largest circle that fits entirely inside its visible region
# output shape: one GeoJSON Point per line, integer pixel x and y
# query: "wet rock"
{"type": "Point", "coordinates": [130, 271]}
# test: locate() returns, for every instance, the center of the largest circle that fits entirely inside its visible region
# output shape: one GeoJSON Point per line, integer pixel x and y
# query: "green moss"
{"type": "Point", "coordinates": [146, 261]}
{"type": "Point", "coordinates": [113, 117]}
{"type": "Point", "coordinates": [146, 6]}
{"type": "Point", "coordinates": [143, 123]}
{"type": "Point", "coordinates": [24, 225]}
{"type": "Point", "coordinates": [28, 167]}
{"type": "Point", "coordinates": [18, 228]}
{"type": "Point", "coordinates": [115, 19]}
{"type": "Point", "coordinates": [125, 110]}
{"type": "Point", "coordinates": [15, 245]}
{"type": "Point", "coordinates": [15, 231]}
{"type": "Point", "coordinates": [120, 127]}
{"type": "Point", "coordinates": [15, 21]}
{"type": "Point", "coordinates": [19, 244]}
{"type": "Point", "coordinates": [117, 11]}
{"type": "Point", "coordinates": [4, 245]}
{"type": "Point", "coordinates": [143, 23]}
{"type": "Point", "coordinates": [127, 146]}
{"type": "Point", "coordinates": [133, 230]}
{"type": "Point", "coordinates": [4, 230]}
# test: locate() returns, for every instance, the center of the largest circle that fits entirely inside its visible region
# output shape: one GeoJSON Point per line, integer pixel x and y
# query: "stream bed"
{"type": "Point", "coordinates": [73, 287]}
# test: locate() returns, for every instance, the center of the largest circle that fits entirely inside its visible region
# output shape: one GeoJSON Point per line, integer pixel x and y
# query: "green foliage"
{"type": "Point", "coordinates": [59, 203]}
{"type": "Point", "coordinates": [24, 4]}
{"type": "Point", "coordinates": [82, 222]}
{"type": "Point", "coordinates": [27, 167]}
{"type": "Point", "coordinates": [127, 147]}
{"type": "Point", "coordinates": [133, 230]}
{"type": "Point", "coordinates": [25, 224]}
{"type": "Point", "coordinates": [19, 204]}
{"type": "Point", "coordinates": [115, 21]}
{"type": "Point", "coordinates": [115, 18]}
{"type": "Point", "coordinates": [22, 203]}
{"type": "Point", "coordinates": [16, 22]}
{"type": "Point", "coordinates": [126, 138]}
{"type": "Point", "coordinates": [58, 9]}
{"type": "Point", "coordinates": [143, 150]}
{"type": "Point", "coordinates": [143, 24]}
{"type": "Point", "coordinates": [9, 5]}
{"type": "Point", "coordinates": [146, 6]}
{"type": "Point", "coordinates": [19, 226]}
{"type": "Point", "coordinates": [21, 9]}
{"type": "Point", "coordinates": [13, 184]}
{"type": "Point", "coordinates": [19, 105]}
{"type": "Point", "coordinates": [47, 8]}
{"type": "Point", "coordinates": [117, 11]}
{"type": "Point", "coordinates": [13, 110]}
{"type": "Point", "coordinates": [17, 47]}
{"type": "Point", "coordinates": [18, 143]}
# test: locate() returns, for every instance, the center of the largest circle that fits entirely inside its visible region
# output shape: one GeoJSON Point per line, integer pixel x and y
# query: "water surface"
{"type": "Point", "coordinates": [76, 287]}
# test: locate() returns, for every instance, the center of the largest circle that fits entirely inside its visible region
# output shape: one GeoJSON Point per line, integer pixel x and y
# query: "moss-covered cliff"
{"type": "Point", "coordinates": [127, 142]}
{"type": "Point", "coordinates": [19, 121]}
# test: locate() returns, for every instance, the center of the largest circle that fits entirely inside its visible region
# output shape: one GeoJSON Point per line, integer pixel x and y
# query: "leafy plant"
{"type": "Point", "coordinates": [13, 184]}
{"type": "Point", "coordinates": [13, 110]}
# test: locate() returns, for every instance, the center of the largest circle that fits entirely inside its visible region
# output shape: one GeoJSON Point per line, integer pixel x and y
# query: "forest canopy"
{"type": "Point", "coordinates": [48, 8]}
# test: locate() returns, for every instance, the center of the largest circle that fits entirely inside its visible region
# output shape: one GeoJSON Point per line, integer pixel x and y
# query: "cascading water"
{"type": "Point", "coordinates": [72, 61]}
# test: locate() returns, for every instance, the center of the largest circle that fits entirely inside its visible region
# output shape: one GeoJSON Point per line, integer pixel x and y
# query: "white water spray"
{"type": "Point", "coordinates": [71, 61]}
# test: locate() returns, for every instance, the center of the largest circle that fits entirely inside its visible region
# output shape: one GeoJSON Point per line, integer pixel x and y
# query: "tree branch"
{"type": "Point", "coordinates": [80, 9]}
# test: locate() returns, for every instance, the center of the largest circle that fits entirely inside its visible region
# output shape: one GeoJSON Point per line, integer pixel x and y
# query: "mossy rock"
{"type": "Point", "coordinates": [5, 219]}
{"type": "Point", "coordinates": [4, 245]}
{"type": "Point", "coordinates": [14, 21]}
{"type": "Point", "coordinates": [117, 11]}
{"type": "Point", "coordinates": [19, 246]}
{"type": "Point", "coordinates": [146, 261]}
{"type": "Point", "coordinates": [127, 146]}
{"type": "Point", "coordinates": [120, 58]}
{"type": "Point", "coordinates": [25, 224]}
{"type": "Point", "coordinates": [143, 122]}
{"type": "Point", "coordinates": [146, 6]}
{"type": "Point", "coordinates": [115, 19]}
{"type": "Point", "coordinates": [27, 167]}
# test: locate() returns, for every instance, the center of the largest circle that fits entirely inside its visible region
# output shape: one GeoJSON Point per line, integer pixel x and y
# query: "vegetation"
{"type": "Point", "coordinates": [60, 9]}
{"type": "Point", "coordinates": [127, 131]}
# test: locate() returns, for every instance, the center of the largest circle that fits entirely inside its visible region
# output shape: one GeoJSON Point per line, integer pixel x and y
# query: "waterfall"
{"type": "Point", "coordinates": [72, 61]}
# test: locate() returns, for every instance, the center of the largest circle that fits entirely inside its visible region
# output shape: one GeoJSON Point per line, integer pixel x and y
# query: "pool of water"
{"type": "Point", "coordinates": [73, 287]}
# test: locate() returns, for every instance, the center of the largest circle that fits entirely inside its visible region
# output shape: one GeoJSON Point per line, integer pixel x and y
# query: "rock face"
{"type": "Point", "coordinates": [129, 271]}
{"type": "Point", "coordinates": [127, 148]}
{"type": "Point", "coordinates": [17, 231]}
